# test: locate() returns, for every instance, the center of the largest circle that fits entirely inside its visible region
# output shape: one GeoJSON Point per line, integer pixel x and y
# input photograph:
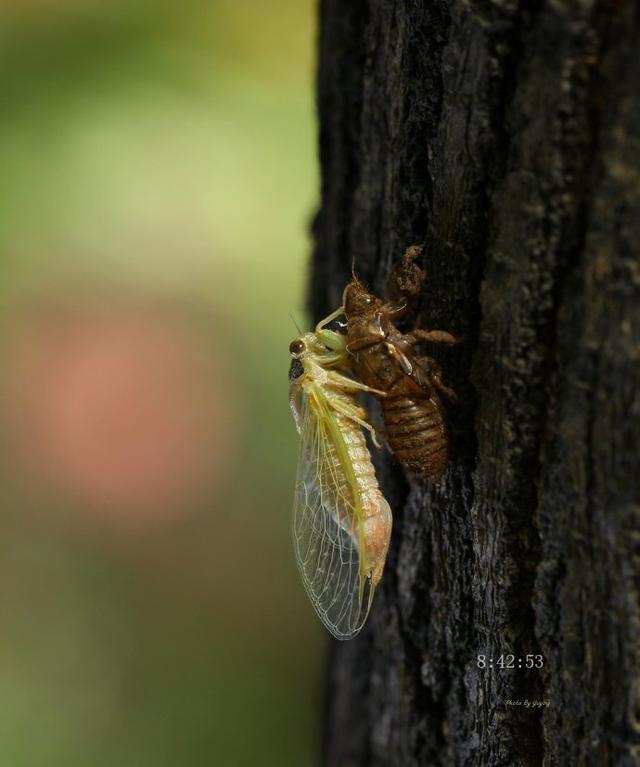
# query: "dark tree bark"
{"type": "Point", "coordinates": [504, 136]}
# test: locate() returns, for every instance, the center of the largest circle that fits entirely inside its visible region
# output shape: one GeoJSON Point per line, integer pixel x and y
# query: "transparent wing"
{"type": "Point", "coordinates": [327, 524]}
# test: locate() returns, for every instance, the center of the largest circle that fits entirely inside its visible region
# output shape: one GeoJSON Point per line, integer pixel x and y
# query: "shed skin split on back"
{"type": "Point", "coordinates": [386, 360]}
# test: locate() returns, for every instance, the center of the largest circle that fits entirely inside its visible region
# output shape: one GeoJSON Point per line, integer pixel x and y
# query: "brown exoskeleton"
{"type": "Point", "coordinates": [386, 360]}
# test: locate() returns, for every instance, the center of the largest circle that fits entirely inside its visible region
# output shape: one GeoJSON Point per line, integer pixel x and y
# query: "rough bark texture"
{"type": "Point", "coordinates": [504, 136]}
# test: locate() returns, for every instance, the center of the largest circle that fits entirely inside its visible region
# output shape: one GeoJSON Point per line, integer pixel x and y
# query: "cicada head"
{"type": "Point", "coordinates": [357, 300]}
{"type": "Point", "coordinates": [325, 349]}
{"type": "Point", "coordinates": [305, 347]}
{"type": "Point", "coordinates": [297, 348]}
{"type": "Point", "coordinates": [303, 351]}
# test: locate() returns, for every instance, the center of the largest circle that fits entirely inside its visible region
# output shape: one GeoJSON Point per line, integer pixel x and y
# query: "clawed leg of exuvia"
{"type": "Point", "coordinates": [429, 373]}
{"type": "Point", "coordinates": [433, 336]}
{"type": "Point", "coordinates": [445, 390]}
{"type": "Point", "coordinates": [441, 387]}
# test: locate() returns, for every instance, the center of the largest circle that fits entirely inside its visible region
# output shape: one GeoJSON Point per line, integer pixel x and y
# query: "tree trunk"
{"type": "Point", "coordinates": [504, 136]}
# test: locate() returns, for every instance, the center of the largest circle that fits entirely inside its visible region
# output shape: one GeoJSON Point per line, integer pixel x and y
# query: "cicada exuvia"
{"type": "Point", "coordinates": [386, 359]}
{"type": "Point", "coordinates": [341, 520]}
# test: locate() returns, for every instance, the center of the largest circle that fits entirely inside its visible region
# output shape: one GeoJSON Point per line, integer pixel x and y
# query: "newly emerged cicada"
{"type": "Point", "coordinates": [341, 520]}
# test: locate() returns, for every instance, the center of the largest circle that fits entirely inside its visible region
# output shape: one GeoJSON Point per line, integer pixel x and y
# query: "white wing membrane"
{"type": "Point", "coordinates": [326, 521]}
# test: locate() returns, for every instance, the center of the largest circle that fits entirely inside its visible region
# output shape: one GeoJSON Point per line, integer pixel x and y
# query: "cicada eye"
{"type": "Point", "coordinates": [297, 348]}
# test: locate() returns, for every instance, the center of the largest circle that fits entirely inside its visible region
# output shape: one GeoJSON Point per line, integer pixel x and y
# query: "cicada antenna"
{"type": "Point", "coordinates": [296, 324]}
{"type": "Point", "coordinates": [353, 269]}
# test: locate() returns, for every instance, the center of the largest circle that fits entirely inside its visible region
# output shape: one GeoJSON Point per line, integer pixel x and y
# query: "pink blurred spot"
{"type": "Point", "coordinates": [121, 409]}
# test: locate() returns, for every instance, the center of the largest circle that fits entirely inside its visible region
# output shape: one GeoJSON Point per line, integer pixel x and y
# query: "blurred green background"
{"type": "Point", "coordinates": [158, 175]}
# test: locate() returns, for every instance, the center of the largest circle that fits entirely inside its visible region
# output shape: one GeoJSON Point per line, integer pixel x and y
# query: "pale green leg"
{"type": "Point", "coordinates": [332, 340]}
{"type": "Point", "coordinates": [356, 414]}
{"type": "Point", "coordinates": [348, 384]}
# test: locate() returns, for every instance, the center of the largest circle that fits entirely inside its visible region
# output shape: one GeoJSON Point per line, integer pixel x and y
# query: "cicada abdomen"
{"type": "Point", "coordinates": [417, 433]}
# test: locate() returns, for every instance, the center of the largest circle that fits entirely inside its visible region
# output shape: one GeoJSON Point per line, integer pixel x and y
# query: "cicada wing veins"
{"type": "Point", "coordinates": [327, 526]}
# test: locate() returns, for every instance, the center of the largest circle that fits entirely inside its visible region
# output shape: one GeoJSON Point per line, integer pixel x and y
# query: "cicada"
{"type": "Point", "coordinates": [386, 359]}
{"type": "Point", "coordinates": [341, 520]}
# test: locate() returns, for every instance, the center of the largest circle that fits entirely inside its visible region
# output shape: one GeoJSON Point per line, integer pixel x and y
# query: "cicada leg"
{"type": "Point", "coordinates": [403, 361]}
{"type": "Point", "coordinates": [356, 414]}
{"type": "Point", "coordinates": [432, 336]}
{"type": "Point", "coordinates": [330, 318]}
{"type": "Point", "coordinates": [349, 384]}
{"type": "Point", "coordinates": [429, 373]}
{"type": "Point", "coordinates": [336, 342]}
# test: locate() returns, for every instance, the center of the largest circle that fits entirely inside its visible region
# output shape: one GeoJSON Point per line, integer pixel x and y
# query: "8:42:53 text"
{"type": "Point", "coordinates": [511, 661]}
